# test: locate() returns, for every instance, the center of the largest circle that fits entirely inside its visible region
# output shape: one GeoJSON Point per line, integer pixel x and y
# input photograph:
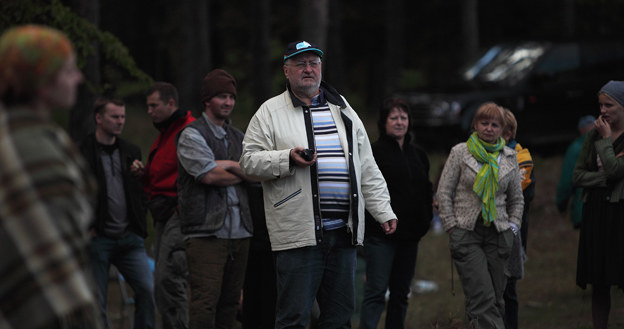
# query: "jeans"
{"type": "Point", "coordinates": [128, 255]}
{"type": "Point", "coordinates": [325, 272]}
{"type": "Point", "coordinates": [389, 265]}
{"type": "Point", "coordinates": [217, 272]}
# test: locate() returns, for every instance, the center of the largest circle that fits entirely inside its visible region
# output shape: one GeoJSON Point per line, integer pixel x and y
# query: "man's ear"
{"type": "Point", "coordinates": [171, 102]}
{"type": "Point", "coordinates": [98, 118]}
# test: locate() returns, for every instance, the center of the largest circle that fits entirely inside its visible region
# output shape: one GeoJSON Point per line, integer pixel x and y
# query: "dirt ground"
{"type": "Point", "coordinates": [548, 295]}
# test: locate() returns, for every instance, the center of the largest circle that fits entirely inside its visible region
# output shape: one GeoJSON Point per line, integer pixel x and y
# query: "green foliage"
{"type": "Point", "coordinates": [84, 35]}
{"type": "Point", "coordinates": [412, 79]}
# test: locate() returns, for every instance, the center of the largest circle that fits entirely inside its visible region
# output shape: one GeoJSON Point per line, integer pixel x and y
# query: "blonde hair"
{"type": "Point", "coordinates": [511, 125]}
{"type": "Point", "coordinates": [489, 111]}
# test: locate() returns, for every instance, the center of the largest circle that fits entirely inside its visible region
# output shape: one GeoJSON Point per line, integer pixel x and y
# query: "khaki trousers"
{"type": "Point", "coordinates": [480, 257]}
{"type": "Point", "coordinates": [217, 273]}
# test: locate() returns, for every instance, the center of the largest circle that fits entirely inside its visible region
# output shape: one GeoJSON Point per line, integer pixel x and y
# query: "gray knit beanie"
{"type": "Point", "coordinates": [615, 90]}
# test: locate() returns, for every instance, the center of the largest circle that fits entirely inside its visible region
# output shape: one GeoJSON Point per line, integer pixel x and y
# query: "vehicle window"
{"type": "Point", "coordinates": [505, 65]}
{"type": "Point", "coordinates": [474, 69]}
{"type": "Point", "coordinates": [560, 58]}
{"type": "Point", "coordinates": [603, 53]}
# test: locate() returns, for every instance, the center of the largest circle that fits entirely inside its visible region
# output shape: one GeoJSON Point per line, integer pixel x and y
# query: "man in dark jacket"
{"type": "Point", "coordinates": [119, 229]}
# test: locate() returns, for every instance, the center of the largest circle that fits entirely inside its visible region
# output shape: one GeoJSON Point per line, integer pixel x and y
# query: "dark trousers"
{"type": "Point", "coordinates": [389, 265]}
{"type": "Point", "coordinates": [511, 305]}
{"type": "Point", "coordinates": [216, 274]}
{"type": "Point", "coordinates": [171, 274]}
{"type": "Point", "coordinates": [325, 272]}
{"type": "Point", "coordinates": [260, 291]}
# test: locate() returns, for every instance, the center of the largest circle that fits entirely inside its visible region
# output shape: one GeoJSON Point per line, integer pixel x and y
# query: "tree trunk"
{"type": "Point", "coordinates": [260, 47]}
{"type": "Point", "coordinates": [81, 121]}
{"type": "Point", "coordinates": [315, 21]}
{"type": "Point", "coordinates": [192, 58]}
{"type": "Point", "coordinates": [568, 11]}
{"type": "Point", "coordinates": [470, 27]}
{"type": "Point", "coordinates": [335, 68]}
{"type": "Point", "coordinates": [395, 47]}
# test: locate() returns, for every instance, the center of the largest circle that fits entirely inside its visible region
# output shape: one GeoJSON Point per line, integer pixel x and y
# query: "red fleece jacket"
{"type": "Point", "coordinates": [161, 171]}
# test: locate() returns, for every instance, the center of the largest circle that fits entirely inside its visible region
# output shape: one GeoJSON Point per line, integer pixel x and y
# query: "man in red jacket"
{"type": "Point", "coordinates": [161, 173]}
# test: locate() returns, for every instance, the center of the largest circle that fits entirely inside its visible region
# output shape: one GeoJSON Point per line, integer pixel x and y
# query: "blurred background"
{"type": "Point", "coordinates": [374, 49]}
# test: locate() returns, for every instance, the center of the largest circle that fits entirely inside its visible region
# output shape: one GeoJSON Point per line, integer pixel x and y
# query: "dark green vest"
{"type": "Point", "coordinates": [203, 207]}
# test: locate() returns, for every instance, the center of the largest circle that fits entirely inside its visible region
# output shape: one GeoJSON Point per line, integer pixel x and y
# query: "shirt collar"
{"type": "Point", "coordinates": [317, 100]}
{"type": "Point", "coordinates": [218, 131]}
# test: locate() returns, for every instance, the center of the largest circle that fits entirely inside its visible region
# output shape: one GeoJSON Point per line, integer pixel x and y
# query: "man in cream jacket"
{"type": "Point", "coordinates": [314, 201]}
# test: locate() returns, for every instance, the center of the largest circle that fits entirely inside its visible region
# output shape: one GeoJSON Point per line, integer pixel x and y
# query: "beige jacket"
{"type": "Point", "coordinates": [290, 211]}
{"type": "Point", "coordinates": [460, 206]}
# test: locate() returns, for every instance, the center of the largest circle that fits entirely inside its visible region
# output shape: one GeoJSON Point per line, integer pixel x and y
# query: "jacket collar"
{"type": "Point", "coordinates": [384, 137]}
{"type": "Point", "coordinates": [162, 126]}
{"type": "Point", "coordinates": [328, 93]}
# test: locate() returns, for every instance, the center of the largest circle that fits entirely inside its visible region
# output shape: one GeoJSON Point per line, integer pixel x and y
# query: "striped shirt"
{"type": "Point", "coordinates": [333, 175]}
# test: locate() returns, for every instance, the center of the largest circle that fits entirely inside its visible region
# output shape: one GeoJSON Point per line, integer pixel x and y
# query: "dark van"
{"type": "Point", "coordinates": [548, 86]}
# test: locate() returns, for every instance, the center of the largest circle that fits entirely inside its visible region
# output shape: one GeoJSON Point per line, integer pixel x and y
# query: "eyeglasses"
{"type": "Point", "coordinates": [303, 64]}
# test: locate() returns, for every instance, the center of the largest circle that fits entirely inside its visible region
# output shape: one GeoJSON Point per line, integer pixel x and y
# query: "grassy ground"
{"type": "Point", "coordinates": [548, 295]}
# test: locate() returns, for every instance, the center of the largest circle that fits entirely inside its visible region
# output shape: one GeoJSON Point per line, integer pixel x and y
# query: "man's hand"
{"type": "Point", "coordinates": [137, 169]}
{"type": "Point", "coordinates": [229, 165]}
{"type": "Point", "coordinates": [390, 226]}
{"type": "Point", "coordinates": [295, 156]}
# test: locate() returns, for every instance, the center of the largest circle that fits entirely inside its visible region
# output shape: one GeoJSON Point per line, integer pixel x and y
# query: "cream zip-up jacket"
{"type": "Point", "coordinates": [460, 206]}
{"type": "Point", "coordinates": [291, 207]}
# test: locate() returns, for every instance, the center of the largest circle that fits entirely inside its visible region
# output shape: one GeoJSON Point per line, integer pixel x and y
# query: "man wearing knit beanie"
{"type": "Point", "coordinates": [216, 82]}
{"type": "Point", "coordinates": [214, 210]}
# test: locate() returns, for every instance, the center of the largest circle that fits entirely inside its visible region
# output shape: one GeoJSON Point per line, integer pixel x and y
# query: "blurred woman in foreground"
{"type": "Point", "coordinates": [46, 191]}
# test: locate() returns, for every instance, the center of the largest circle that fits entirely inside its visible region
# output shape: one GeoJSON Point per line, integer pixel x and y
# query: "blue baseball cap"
{"type": "Point", "coordinates": [298, 47]}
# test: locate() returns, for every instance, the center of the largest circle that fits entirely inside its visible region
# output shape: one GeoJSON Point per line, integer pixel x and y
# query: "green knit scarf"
{"type": "Point", "coordinates": [486, 182]}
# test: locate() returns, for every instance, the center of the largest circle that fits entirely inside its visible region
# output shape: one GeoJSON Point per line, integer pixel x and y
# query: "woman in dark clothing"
{"type": "Point", "coordinates": [391, 259]}
{"type": "Point", "coordinates": [599, 171]}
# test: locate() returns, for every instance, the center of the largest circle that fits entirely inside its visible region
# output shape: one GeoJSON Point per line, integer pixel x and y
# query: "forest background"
{"type": "Point", "coordinates": [373, 48]}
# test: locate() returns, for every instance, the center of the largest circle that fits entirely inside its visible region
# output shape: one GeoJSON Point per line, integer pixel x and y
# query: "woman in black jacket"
{"type": "Point", "coordinates": [391, 259]}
